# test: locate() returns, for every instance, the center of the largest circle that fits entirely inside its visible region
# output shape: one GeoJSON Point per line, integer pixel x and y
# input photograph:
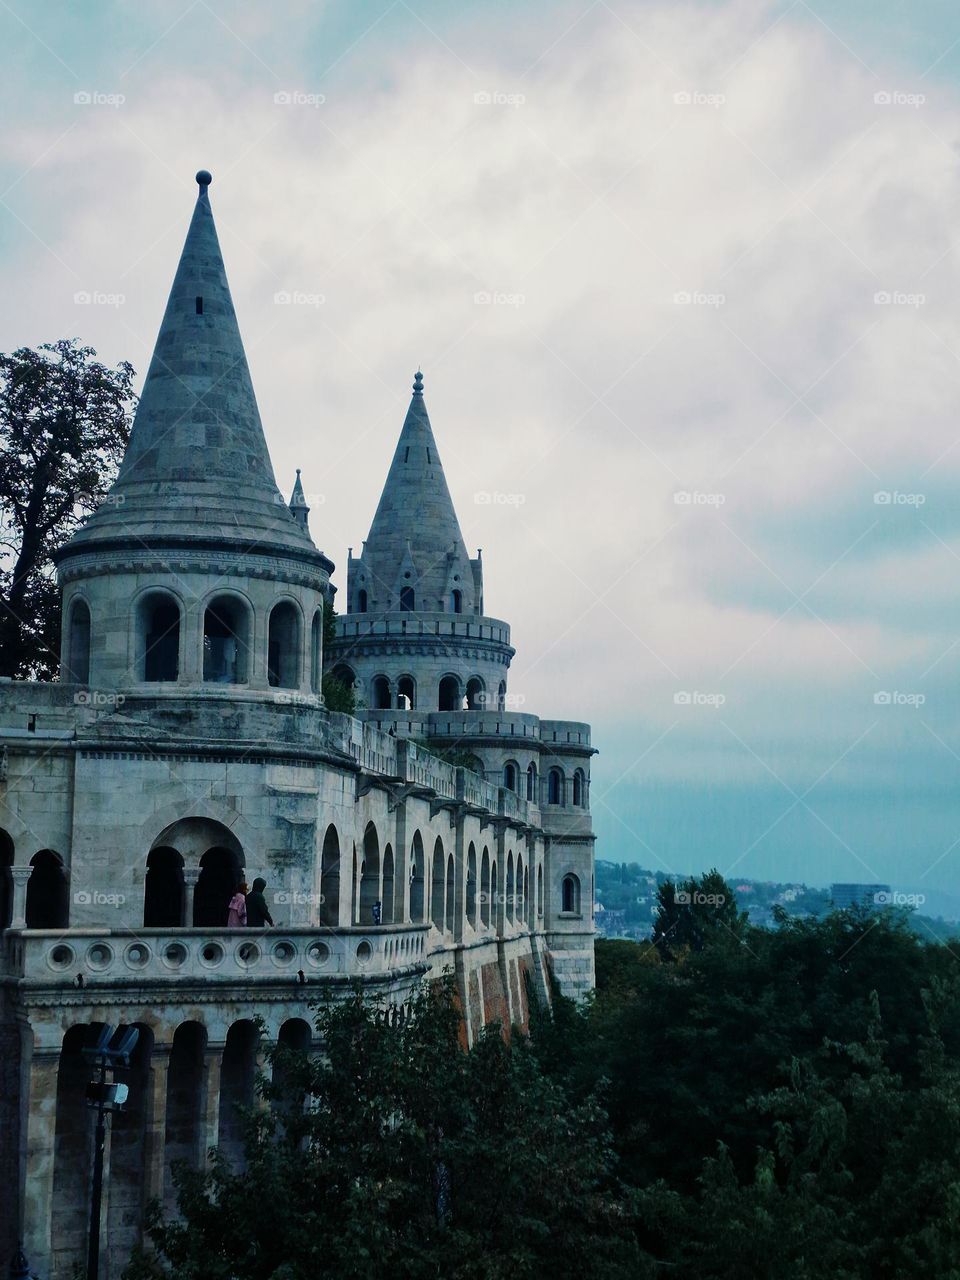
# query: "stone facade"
{"type": "Point", "coordinates": [187, 748]}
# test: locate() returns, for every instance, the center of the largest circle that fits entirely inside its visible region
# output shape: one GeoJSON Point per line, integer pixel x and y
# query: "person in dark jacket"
{"type": "Point", "coordinates": [257, 913]}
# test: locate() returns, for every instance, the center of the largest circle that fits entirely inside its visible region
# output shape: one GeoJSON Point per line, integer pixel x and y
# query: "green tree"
{"type": "Point", "coordinates": [399, 1153]}
{"type": "Point", "coordinates": [337, 695]}
{"type": "Point", "coordinates": [64, 424]}
{"type": "Point", "coordinates": [697, 914]}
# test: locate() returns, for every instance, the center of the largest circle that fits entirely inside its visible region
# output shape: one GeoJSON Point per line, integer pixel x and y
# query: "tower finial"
{"type": "Point", "coordinates": [418, 383]}
{"type": "Point", "coordinates": [204, 178]}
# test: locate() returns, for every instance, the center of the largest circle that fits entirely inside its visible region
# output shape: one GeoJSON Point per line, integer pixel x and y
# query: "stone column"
{"type": "Point", "coordinates": [190, 877]}
{"type": "Point", "coordinates": [20, 876]}
{"type": "Point", "coordinates": [155, 1122]}
{"type": "Point", "coordinates": [38, 1156]}
{"type": "Point", "coordinates": [210, 1096]}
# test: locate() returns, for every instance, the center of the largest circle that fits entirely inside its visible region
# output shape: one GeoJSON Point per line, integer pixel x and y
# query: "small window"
{"type": "Point", "coordinates": [406, 693]}
{"type": "Point", "coordinates": [407, 600]}
{"type": "Point", "coordinates": [160, 631]}
{"type": "Point", "coordinates": [199, 306]}
{"type": "Point", "coordinates": [78, 660]}
{"type": "Point", "coordinates": [283, 646]}
{"type": "Point", "coordinates": [449, 694]}
{"type": "Point", "coordinates": [225, 643]}
{"type": "Point", "coordinates": [510, 776]}
{"type": "Point", "coordinates": [381, 693]}
{"type": "Point", "coordinates": [555, 787]}
{"type": "Point", "coordinates": [456, 602]}
{"type": "Point", "coordinates": [570, 895]}
{"type": "Point", "coordinates": [579, 790]}
{"type": "Point", "coordinates": [361, 602]}
{"type": "Point", "coordinates": [532, 782]}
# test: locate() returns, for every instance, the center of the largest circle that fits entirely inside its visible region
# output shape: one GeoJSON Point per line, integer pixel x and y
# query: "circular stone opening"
{"type": "Point", "coordinates": [211, 954]}
{"type": "Point", "coordinates": [248, 953]}
{"type": "Point", "coordinates": [364, 953]}
{"type": "Point", "coordinates": [61, 957]}
{"type": "Point", "coordinates": [318, 953]}
{"type": "Point", "coordinates": [174, 955]}
{"type": "Point", "coordinates": [283, 952]}
{"type": "Point", "coordinates": [137, 955]}
{"type": "Point", "coordinates": [99, 956]}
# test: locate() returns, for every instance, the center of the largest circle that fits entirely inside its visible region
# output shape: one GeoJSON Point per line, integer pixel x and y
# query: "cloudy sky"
{"type": "Point", "coordinates": [684, 281]}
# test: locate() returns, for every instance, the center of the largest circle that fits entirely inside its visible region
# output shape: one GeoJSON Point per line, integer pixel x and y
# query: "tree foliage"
{"type": "Point", "coordinates": [64, 423]}
{"type": "Point", "coordinates": [337, 696]}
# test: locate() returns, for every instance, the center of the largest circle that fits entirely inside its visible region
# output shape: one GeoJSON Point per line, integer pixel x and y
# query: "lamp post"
{"type": "Point", "coordinates": [105, 1098]}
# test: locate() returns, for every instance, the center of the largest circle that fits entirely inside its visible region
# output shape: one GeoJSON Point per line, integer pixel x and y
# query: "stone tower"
{"type": "Point", "coordinates": [194, 548]}
{"type": "Point", "coordinates": [421, 639]}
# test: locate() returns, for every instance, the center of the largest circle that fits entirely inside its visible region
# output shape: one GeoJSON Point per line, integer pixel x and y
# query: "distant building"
{"type": "Point", "coordinates": [846, 896]}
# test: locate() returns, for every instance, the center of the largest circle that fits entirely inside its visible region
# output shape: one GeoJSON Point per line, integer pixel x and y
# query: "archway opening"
{"type": "Point", "coordinates": [226, 641]}
{"type": "Point", "coordinates": [369, 875]}
{"type": "Point", "coordinates": [387, 915]}
{"type": "Point", "coordinates": [406, 693]}
{"type": "Point", "coordinates": [416, 880]}
{"type": "Point", "coordinates": [532, 783]}
{"type": "Point", "coordinates": [438, 887]}
{"type": "Point", "coordinates": [408, 600]}
{"type": "Point", "coordinates": [158, 638]}
{"type": "Point", "coordinates": [511, 776]}
{"type": "Point", "coordinates": [475, 694]}
{"type": "Point", "coordinates": [570, 894]}
{"type": "Point", "coordinates": [510, 890]}
{"type": "Point", "coordinates": [283, 646]}
{"type": "Point", "coordinates": [555, 787]}
{"type": "Point", "coordinates": [184, 1134]}
{"type": "Point", "coordinates": [316, 651]}
{"type": "Point", "coordinates": [237, 1088]}
{"type": "Point", "coordinates": [6, 880]}
{"type": "Point", "coordinates": [381, 693]}
{"type": "Point", "coordinates": [163, 889]}
{"type": "Point", "coordinates": [471, 886]}
{"type": "Point", "coordinates": [220, 874]}
{"type": "Point", "coordinates": [485, 887]}
{"type": "Point", "coordinates": [330, 878]}
{"type": "Point", "coordinates": [456, 601]}
{"type": "Point", "coordinates": [78, 644]}
{"type": "Point", "coordinates": [47, 896]}
{"type": "Point", "coordinates": [451, 900]}
{"type": "Point", "coordinates": [449, 694]}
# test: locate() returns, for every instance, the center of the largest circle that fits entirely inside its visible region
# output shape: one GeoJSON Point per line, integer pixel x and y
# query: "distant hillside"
{"type": "Point", "coordinates": [627, 894]}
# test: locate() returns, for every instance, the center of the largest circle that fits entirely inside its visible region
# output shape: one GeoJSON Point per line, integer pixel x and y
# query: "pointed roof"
{"type": "Point", "coordinates": [415, 529]}
{"type": "Point", "coordinates": [197, 466]}
{"type": "Point", "coordinates": [298, 502]}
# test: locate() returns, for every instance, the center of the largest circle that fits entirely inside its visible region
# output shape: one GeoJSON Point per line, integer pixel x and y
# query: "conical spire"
{"type": "Point", "coordinates": [197, 465]}
{"type": "Point", "coordinates": [298, 503]}
{"type": "Point", "coordinates": [415, 540]}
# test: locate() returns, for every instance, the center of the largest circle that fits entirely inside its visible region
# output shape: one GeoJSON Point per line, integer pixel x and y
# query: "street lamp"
{"type": "Point", "coordinates": [105, 1097]}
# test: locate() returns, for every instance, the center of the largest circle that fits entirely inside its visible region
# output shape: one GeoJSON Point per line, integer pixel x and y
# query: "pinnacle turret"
{"type": "Point", "coordinates": [298, 503]}
{"type": "Point", "coordinates": [197, 465]}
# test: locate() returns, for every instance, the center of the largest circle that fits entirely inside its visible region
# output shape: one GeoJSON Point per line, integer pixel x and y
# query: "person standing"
{"type": "Point", "coordinates": [257, 913]}
{"type": "Point", "coordinates": [237, 908]}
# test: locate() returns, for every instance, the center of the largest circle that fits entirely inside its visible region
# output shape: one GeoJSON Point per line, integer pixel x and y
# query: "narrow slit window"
{"type": "Point", "coordinates": [199, 306]}
{"type": "Point", "coordinates": [429, 459]}
{"type": "Point", "coordinates": [406, 454]}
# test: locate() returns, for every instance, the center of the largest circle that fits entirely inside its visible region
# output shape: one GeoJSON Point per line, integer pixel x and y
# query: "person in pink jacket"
{"type": "Point", "coordinates": [237, 908]}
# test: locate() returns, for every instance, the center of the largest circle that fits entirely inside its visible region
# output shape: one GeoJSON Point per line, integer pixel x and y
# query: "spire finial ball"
{"type": "Point", "coordinates": [418, 381]}
{"type": "Point", "coordinates": [204, 178]}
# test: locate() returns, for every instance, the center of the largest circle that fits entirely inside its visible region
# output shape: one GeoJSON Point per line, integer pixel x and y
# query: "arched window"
{"type": "Point", "coordinates": [316, 651]}
{"type": "Point", "coordinates": [381, 693]}
{"type": "Point", "coordinates": [330, 878]}
{"type": "Point", "coordinates": [532, 783]}
{"type": "Point", "coordinates": [456, 602]}
{"type": "Point", "coordinates": [158, 638]}
{"type": "Point", "coordinates": [579, 790]}
{"type": "Point", "coordinates": [520, 903]}
{"type": "Point", "coordinates": [416, 880]}
{"type": "Point", "coordinates": [369, 875]}
{"type": "Point", "coordinates": [220, 874]}
{"type": "Point", "coordinates": [408, 600]}
{"type": "Point", "coordinates": [344, 675]}
{"type": "Point", "coordinates": [450, 895]}
{"type": "Point", "coordinates": [471, 886]}
{"type": "Point", "coordinates": [485, 887]}
{"type": "Point", "coordinates": [438, 887]}
{"type": "Point", "coordinates": [449, 694]}
{"type": "Point", "coordinates": [501, 695]}
{"type": "Point", "coordinates": [555, 787]}
{"type": "Point", "coordinates": [361, 601]}
{"type": "Point", "coordinates": [163, 889]}
{"type": "Point", "coordinates": [283, 646]}
{"type": "Point", "coordinates": [510, 889]}
{"type": "Point", "coordinates": [406, 693]}
{"type": "Point", "coordinates": [78, 648]}
{"type": "Point", "coordinates": [511, 776]}
{"type": "Point", "coordinates": [570, 895]}
{"type": "Point", "coordinates": [6, 880]}
{"type": "Point", "coordinates": [386, 911]}
{"type": "Point", "coordinates": [475, 694]}
{"type": "Point", "coordinates": [47, 905]}
{"type": "Point", "coordinates": [540, 891]}
{"type": "Point", "coordinates": [226, 641]}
